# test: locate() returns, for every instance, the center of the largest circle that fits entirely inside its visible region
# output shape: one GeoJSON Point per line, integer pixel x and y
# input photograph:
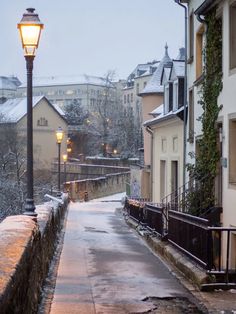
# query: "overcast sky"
{"type": "Point", "coordinates": [91, 36]}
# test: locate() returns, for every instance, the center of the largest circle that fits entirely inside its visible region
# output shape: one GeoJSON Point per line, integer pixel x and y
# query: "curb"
{"type": "Point", "coordinates": [188, 268]}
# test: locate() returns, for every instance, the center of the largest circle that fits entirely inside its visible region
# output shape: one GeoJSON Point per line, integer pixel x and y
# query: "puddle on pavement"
{"type": "Point", "coordinates": [171, 306]}
{"type": "Point", "coordinates": [91, 229]}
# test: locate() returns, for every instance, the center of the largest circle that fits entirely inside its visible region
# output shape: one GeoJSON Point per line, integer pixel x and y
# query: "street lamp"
{"type": "Point", "coordinates": [30, 28]}
{"type": "Point", "coordinates": [64, 157]}
{"type": "Point", "coordinates": [59, 136]}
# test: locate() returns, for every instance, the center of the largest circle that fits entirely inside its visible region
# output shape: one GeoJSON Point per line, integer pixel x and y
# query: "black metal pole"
{"type": "Point", "coordinates": [29, 204]}
{"type": "Point", "coordinates": [64, 171]}
{"type": "Point", "coordinates": [59, 169]}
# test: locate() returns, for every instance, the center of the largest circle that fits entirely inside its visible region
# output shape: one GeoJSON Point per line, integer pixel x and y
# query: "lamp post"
{"type": "Point", "coordinates": [30, 28]}
{"type": "Point", "coordinates": [64, 157]}
{"type": "Point", "coordinates": [59, 136]}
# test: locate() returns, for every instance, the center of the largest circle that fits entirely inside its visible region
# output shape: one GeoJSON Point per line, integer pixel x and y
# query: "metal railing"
{"type": "Point", "coordinates": [194, 236]}
{"type": "Point", "coordinates": [189, 198]}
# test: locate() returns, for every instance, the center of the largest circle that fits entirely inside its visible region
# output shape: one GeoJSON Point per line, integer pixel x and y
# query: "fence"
{"type": "Point", "coordinates": [194, 236]}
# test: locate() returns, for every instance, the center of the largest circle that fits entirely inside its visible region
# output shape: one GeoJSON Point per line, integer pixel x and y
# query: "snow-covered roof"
{"type": "Point", "coordinates": [159, 110]}
{"type": "Point", "coordinates": [154, 84]}
{"type": "Point", "coordinates": [7, 83]}
{"type": "Point", "coordinates": [177, 69]}
{"type": "Point", "coordinates": [68, 80]}
{"type": "Point", "coordinates": [163, 116]}
{"type": "Point", "coordinates": [166, 75]}
{"type": "Point", "coordinates": [140, 71]}
{"type": "Point", "coordinates": [59, 109]}
{"type": "Point", "coordinates": [15, 109]}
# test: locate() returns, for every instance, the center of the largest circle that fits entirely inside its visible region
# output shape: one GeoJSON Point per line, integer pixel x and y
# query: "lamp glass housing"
{"type": "Point", "coordinates": [30, 29]}
{"type": "Point", "coordinates": [59, 135]}
{"type": "Point", "coordinates": [64, 157]}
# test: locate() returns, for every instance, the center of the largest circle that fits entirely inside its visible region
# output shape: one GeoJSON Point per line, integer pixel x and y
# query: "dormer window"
{"type": "Point", "coordinates": [42, 122]}
{"type": "Point", "coordinates": [180, 92]}
{"type": "Point", "coordinates": [175, 95]}
{"type": "Point", "coordinates": [168, 97]}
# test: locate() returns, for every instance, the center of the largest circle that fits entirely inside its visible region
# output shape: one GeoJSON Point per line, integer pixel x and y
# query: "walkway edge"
{"type": "Point", "coordinates": [191, 271]}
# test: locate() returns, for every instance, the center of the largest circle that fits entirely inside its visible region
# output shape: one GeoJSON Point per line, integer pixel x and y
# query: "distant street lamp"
{"type": "Point", "coordinates": [59, 136]}
{"type": "Point", "coordinates": [64, 157]}
{"type": "Point", "coordinates": [30, 28]}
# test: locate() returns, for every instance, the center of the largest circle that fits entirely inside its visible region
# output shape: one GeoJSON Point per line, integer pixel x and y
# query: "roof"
{"type": "Point", "coordinates": [156, 112]}
{"type": "Point", "coordinates": [205, 7]}
{"type": "Point", "coordinates": [154, 85]}
{"type": "Point", "coordinates": [9, 83]}
{"type": "Point", "coordinates": [14, 110]}
{"type": "Point", "coordinates": [178, 69]}
{"type": "Point", "coordinates": [163, 117]}
{"type": "Point", "coordinates": [68, 80]}
{"type": "Point", "coordinates": [141, 70]}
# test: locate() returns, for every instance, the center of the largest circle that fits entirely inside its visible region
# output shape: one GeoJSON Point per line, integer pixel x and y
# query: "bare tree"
{"type": "Point", "coordinates": [12, 169]}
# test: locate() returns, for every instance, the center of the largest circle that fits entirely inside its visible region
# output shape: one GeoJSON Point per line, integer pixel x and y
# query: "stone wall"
{"type": "Point", "coordinates": [99, 187]}
{"type": "Point", "coordinates": [76, 171]}
{"type": "Point", "coordinates": [27, 246]}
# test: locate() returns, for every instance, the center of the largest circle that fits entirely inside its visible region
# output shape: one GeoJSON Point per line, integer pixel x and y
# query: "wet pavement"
{"type": "Point", "coordinates": [106, 268]}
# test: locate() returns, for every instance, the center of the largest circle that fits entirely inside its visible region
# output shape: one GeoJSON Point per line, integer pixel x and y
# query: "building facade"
{"type": "Point", "coordinates": [46, 120]}
{"type": "Point", "coordinates": [225, 181]}
{"type": "Point", "coordinates": [85, 89]}
{"type": "Point", "coordinates": [166, 130]}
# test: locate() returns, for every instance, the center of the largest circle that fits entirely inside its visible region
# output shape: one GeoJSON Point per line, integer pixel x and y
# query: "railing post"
{"type": "Point", "coordinates": [227, 257]}
{"type": "Point", "coordinates": [209, 265]}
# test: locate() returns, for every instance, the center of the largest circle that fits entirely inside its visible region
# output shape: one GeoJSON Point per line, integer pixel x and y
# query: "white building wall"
{"type": "Point", "coordinates": [168, 147]}
{"type": "Point", "coordinates": [227, 99]}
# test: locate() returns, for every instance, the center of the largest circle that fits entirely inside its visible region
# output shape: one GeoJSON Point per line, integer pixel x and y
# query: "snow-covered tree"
{"type": "Point", "coordinates": [75, 114]}
{"type": "Point", "coordinates": [12, 169]}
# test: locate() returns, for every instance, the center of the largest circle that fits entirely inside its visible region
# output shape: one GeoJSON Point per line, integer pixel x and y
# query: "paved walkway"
{"type": "Point", "coordinates": [106, 268]}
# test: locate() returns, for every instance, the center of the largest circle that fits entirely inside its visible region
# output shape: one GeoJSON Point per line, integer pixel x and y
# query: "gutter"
{"type": "Point", "coordinates": [203, 9]}
{"type": "Point", "coordinates": [185, 89]}
{"type": "Point", "coordinates": [150, 131]}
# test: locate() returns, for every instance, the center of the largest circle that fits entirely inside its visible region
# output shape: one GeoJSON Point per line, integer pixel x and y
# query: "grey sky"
{"type": "Point", "coordinates": [91, 36]}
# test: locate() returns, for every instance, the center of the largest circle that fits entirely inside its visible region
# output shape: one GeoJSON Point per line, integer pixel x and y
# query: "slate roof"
{"type": "Point", "coordinates": [162, 116]}
{"type": "Point", "coordinates": [178, 69]}
{"type": "Point", "coordinates": [9, 83]}
{"type": "Point", "coordinates": [154, 85]}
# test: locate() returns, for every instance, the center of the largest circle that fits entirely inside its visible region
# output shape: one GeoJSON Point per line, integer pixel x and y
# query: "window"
{"type": "Point", "coordinates": [180, 92]}
{"type": "Point", "coordinates": [42, 122]}
{"type": "Point", "coordinates": [232, 39]}
{"type": "Point", "coordinates": [191, 117]}
{"type": "Point", "coordinates": [137, 88]}
{"type": "Point", "coordinates": [232, 151]}
{"type": "Point", "coordinates": [163, 145]}
{"type": "Point", "coordinates": [69, 92]}
{"type": "Point", "coordinates": [163, 179]}
{"type": "Point", "coordinates": [128, 98]}
{"type": "Point", "coordinates": [191, 37]}
{"type": "Point", "coordinates": [144, 84]}
{"type": "Point", "coordinates": [175, 96]}
{"type": "Point", "coordinates": [175, 144]}
{"type": "Point", "coordinates": [166, 99]}
{"type": "Point", "coordinates": [131, 97]}
{"type": "Point", "coordinates": [199, 49]}
{"type": "Point", "coordinates": [92, 102]}
{"type": "Point", "coordinates": [124, 99]}
{"type": "Point", "coordinates": [51, 93]}
{"type": "Point", "coordinates": [170, 96]}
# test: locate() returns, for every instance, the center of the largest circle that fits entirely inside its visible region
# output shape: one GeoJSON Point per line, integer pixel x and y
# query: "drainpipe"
{"type": "Point", "coordinates": [150, 131]}
{"type": "Point", "coordinates": [185, 93]}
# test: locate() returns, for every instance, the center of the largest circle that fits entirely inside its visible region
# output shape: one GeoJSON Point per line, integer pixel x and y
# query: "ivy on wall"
{"type": "Point", "coordinates": [205, 168]}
